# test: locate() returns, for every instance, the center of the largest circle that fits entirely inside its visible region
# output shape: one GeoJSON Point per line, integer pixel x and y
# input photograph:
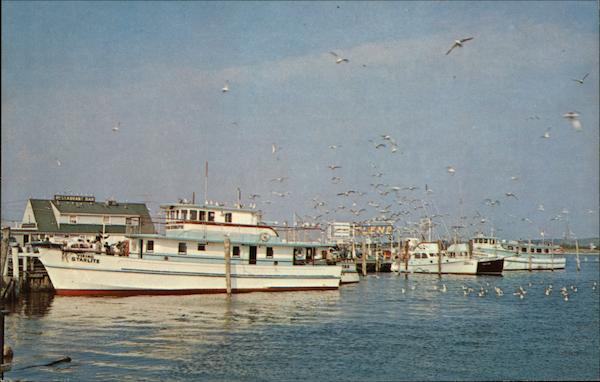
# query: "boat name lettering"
{"type": "Point", "coordinates": [85, 258]}
{"type": "Point", "coordinates": [174, 226]}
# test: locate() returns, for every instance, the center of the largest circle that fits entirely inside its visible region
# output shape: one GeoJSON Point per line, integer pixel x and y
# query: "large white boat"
{"type": "Point", "coordinates": [425, 258]}
{"type": "Point", "coordinates": [519, 256]}
{"type": "Point", "coordinates": [190, 258]}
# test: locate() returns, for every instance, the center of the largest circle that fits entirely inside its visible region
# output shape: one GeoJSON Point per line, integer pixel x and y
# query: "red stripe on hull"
{"type": "Point", "coordinates": [155, 292]}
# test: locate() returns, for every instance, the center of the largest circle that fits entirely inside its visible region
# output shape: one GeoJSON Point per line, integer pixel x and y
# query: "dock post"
{"type": "Point", "coordinates": [15, 266]}
{"type": "Point", "coordinates": [529, 253]}
{"type": "Point", "coordinates": [364, 258]}
{"type": "Point", "coordinates": [4, 255]}
{"type": "Point", "coordinates": [377, 260]}
{"type": "Point", "coordinates": [406, 259]}
{"type": "Point", "coordinates": [577, 256]}
{"type": "Point", "coordinates": [439, 259]}
{"type": "Point", "coordinates": [227, 248]}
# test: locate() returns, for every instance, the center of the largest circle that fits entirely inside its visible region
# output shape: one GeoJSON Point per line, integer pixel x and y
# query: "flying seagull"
{"type": "Point", "coordinates": [458, 43]}
{"type": "Point", "coordinates": [225, 88]}
{"type": "Point", "coordinates": [508, 194]}
{"type": "Point", "coordinates": [338, 59]}
{"type": "Point", "coordinates": [451, 170]}
{"type": "Point", "coordinates": [573, 117]}
{"type": "Point", "coordinates": [333, 167]}
{"type": "Point", "coordinates": [117, 127]}
{"type": "Point", "coordinates": [580, 82]}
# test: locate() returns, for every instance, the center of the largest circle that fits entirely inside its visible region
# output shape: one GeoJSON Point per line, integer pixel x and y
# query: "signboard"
{"type": "Point", "coordinates": [374, 230]}
{"type": "Point", "coordinates": [74, 198]}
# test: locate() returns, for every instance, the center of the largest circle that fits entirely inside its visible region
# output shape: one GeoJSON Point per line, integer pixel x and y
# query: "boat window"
{"type": "Point", "coordinates": [211, 216]}
{"type": "Point", "coordinates": [423, 255]}
{"type": "Point", "coordinates": [202, 216]}
{"type": "Point", "coordinates": [236, 251]}
{"type": "Point", "coordinates": [228, 217]}
{"type": "Point", "coordinates": [201, 247]}
{"type": "Point", "coordinates": [150, 246]}
{"type": "Point", "coordinates": [546, 250]}
{"type": "Point", "coordinates": [492, 241]}
{"type": "Point", "coordinates": [182, 248]}
{"type": "Point", "coordinates": [523, 249]}
{"type": "Point", "coordinates": [532, 250]}
{"type": "Point", "coordinates": [269, 252]}
{"type": "Point", "coordinates": [538, 250]}
{"type": "Point", "coordinates": [510, 247]}
{"type": "Point", "coordinates": [193, 215]}
{"type": "Point", "coordinates": [183, 214]}
{"type": "Point", "coordinates": [485, 241]}
{"type": "Point", "coordinates": [417, 255]}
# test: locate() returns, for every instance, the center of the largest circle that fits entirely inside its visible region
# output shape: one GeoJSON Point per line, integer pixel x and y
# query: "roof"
{"type": "Point", "coordinates": [46, 221]}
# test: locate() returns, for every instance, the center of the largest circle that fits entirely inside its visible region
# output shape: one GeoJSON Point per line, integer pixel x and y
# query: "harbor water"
{"type": "Point", "coordinates": [386, 328]}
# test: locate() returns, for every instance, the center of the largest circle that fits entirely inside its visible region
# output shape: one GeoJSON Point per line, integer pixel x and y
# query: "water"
{"type": "Point", "coordinates": [365, 332]}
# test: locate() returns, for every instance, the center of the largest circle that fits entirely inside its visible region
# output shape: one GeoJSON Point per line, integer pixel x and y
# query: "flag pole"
{"type": "Point", "coordinates": [206, 182]}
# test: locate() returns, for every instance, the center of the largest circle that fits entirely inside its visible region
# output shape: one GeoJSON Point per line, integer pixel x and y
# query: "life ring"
{"type": "Point", "coordinates": [264, 236]}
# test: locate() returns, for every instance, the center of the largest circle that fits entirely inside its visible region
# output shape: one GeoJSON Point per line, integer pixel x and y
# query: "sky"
{"type": "Point", "coordinates": [72, 71]}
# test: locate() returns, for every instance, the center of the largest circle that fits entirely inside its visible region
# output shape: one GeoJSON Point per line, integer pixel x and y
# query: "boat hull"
{"type": "Point", "coordinates": [537, 263]}
{"type": "Point", "coordinates": [96, 274]}
{"type": "Point", "coordinates": [491, 267]}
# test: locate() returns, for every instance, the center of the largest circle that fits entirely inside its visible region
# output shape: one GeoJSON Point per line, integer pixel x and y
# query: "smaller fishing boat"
{"type": "Point", "coordinates": [349, 273]}
{"type": "Point", "coordinates": [428, 257]}
{"type": "Point", "coordinates": [519, 256]}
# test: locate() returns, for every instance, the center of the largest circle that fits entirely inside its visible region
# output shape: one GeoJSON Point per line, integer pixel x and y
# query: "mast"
{"type": "Point", "coordinates": [206, 182]}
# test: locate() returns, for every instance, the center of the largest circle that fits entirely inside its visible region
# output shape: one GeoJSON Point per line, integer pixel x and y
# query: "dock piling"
{"type": "Point", "coordinates": [227, 249]}
{"type": "Point", "coordinates": [364, 259]}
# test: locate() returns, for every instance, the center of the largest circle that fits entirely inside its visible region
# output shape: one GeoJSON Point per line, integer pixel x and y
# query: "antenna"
{"type": "Point", "coordinates": [205, 182]}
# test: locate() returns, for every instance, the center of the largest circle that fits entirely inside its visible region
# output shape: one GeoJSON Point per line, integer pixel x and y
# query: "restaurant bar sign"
{"type": "Point", "coordinates": [74, 198]}
{"type": "Point", "coordinates": [374, 230]}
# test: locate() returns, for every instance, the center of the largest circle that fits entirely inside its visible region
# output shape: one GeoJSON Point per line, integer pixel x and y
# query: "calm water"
{"type": "Point", "coordinates": [365, 332]}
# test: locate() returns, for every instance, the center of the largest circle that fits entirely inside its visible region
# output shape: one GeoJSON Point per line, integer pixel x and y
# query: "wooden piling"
{"type": "Point", "coordinates": [529, 253]}
{"type": "Point", "coordinates": [577, 256]}
{"type": "Point", "coordinates": [364, 258]}
{"type": "Point", "coordinates": [2, 341]}
{"type": "Point", "coordinates": [227, 249]}
{"type": "Point", "coordinates": [406, 256]}
{"type": "Point", "coordinates": [470, 249]}
{"type": "Point", "coordinates": [439, 259]}
{"type": "Point", "coordinates": [377, 260]}
{"type": "Point", "coordinates": [4, 255]}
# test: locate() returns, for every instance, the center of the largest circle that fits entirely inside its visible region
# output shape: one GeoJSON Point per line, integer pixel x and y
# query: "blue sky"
{"type": "Point", "coordinates": [73, 70]}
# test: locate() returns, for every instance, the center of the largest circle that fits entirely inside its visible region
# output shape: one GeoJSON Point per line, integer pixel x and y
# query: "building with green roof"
{"type": "Point", "coordinates": [74, 216]}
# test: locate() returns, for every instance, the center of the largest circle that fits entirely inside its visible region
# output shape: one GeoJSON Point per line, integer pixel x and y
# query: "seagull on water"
{"type": "Point", "coordinates": [580, 82]}
{"type": "Point", "coordinates": [451, 170]}
{"type": "Point", "coordinates": [509, 194]}
{"type": "Point", "coordinates": [226, 87]}
{"type": "Point", "coordinates": [117, 127]}
{"type": "Point", "coordinates": [573, 117]}
{"type": "Point", "coordinates": [333, 167]}
{"type": "Point", "coordinates": [458, 43]}
{"type": "Point", "coordinates": [338, 59]}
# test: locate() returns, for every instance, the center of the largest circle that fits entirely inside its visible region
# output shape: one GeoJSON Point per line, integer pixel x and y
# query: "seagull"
{"type": "Point", "coordinates": [280, 179]}
{"type": "Point", "coordinates": [253, 196]}
{"type": "Point", "coordinates": [333, 167]}
{"type": "Point", "coordinates": [541, 207]}
{"type": "Point", "coordinates": [280, 194]}
{"type": "Point", "coordinates": [333, 147]}
{"type": "Point", "coordinates": [580, 82]}
{"type": "Point", "coordinates": [546, 134]}
{"type": "Point", "coordinates": [509, 194]}
{"type": "Point", "coordinates": [451, 170]}
{"type": "Point", "coordinates": [116, 128]}
{"type": "Point", "coordinates": [458, 43]}
{"type": "Point", "coordinates": [380, 145]}
{"type": "Point", "coordinates": [336, 179]}
{"type": "Point", "coordinates": [225, 88]}
{"type": "Point", "coordinates": [338, 59]}
{"type": "Point", "coordinates": [573, 117]}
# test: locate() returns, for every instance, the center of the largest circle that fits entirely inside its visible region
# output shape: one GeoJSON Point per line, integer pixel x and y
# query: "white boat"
{"type": "Point", "coordinates": [519, 256]}
{"type": "Point", "coordinates": [425, 258]}
{"type": "Point", "coordinates": [190, 258]}
{"type": "Point", "coordinates": [349, 273]}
